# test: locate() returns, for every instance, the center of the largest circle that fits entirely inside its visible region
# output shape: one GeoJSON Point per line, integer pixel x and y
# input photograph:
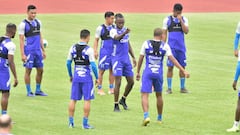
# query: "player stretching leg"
{"type": "Point", "coordinates": [7, 50]}
{"type": "Point", "coordinates": [154, 51]}
{"type": "Point", "coordinates": [235, 127]}
{"type": "Point", "coordinates": [121, 62]}
{"type": "Point", "coordinates": [176, 26]}
{"type": "Point", "coordinates": [105, 51]}
{"type": "Point", "coordinates": [82, 82]}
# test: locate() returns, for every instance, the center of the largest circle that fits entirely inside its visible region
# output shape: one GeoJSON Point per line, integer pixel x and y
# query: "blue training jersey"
{"type": "Point", "coordinates": [4, 53]}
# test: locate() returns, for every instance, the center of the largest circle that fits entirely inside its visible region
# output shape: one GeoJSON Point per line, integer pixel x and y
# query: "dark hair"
{"type": "Point", "coordinates": [84, 33]}
{"type": "Point", "coordinates": [11, 26]}
{"type": "Point", "coordinates": [177, 7]}
{"type": "Point", "coordinates": [157, 32]}
{"type": "Point", "coordinates": [108, 14]}
{"type": "Point", "coordinates": [30, 7]}
{"type": "Point", "coordinates": [118, 15]}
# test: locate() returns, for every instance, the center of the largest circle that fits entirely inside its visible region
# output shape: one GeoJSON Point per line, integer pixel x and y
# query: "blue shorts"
{"type": "Point", "coordinates": [4, 81]}
{"type": "Point", "coordinates": [104, 62]}
{"type": "Point", "coordinates": [34, 59]}
{"type": "Point", "coordinates": [148, 82]}
{"type": "Point", "coordinates": [180, 57]}
{"type": "Point", "coordinates": [82, 89]}
{"type": "Point", "coordinates": [122, 68]}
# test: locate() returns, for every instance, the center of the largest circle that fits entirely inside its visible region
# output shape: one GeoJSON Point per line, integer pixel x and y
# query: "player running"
{"type": "Point", "coordinates": [7, 50]}
{"type": "Point", "coordinates": [176, 25]}
{"type": "Point", "coordinates": [235, 127]}
{"type": "Point", "coordinates": [121, 62]}
{"type": "Point", "coordinates": [154, 51]}
{"type": "Point", "coordinates": [105, 51]}
{"type": "Point", "coordinates": [82, 82]}
{"type": "Point", "coordinates": [32, 49]}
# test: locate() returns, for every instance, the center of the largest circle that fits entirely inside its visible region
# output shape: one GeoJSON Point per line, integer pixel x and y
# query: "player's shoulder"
{"type": "Point", "coordinates": [10, 44]}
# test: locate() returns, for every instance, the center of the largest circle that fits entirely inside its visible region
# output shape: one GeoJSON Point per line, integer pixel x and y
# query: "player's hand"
{"type": "Point", "coordinates": [96, 54]}
{"type": "Point", "coordinates": [24, 58]}
{"type": "Point", "coordinates": [134, 62]}
{"type": "Point", "coordinates": [138, 77]}
{"type": "Point", "coordinates": [234, 85]}
{"type": "Point", "coordinates": [187, 75]}
{"type": "Point", "coordinates": [44, 55]}
{"type": "Point", "coordinates": [127, 31]}
{"type": "Point", "coordinates": [236, 53]}
{"type": "Point", "coordinates": [96, 82]}
{"type": "Point", "coordinates": [15, 83]}
{"type": "Point", "coordinates": [179, 17]}
{"type": "Point", "coordinates": [71, 78]}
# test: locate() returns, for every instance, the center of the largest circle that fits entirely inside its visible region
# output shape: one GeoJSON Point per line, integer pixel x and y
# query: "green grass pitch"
{"type": "Point", "coordinates": [207, 110]}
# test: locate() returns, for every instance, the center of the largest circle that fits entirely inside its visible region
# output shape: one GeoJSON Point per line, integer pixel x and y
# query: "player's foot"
{"type": "Point", "coordinates": [71, 125]}
{"type": "Point", "coordinates": [146, 121]}
{"type": "Point", "coordinates": [184, 91]}
{"type": "Point", "coordinates": [123, 103]}
{"type": "Point", "coordinates": [101, 93]}
{"type": "Point", "coordinates": [40, 93]}
{"type": "Point", "coordinates": [87, 127]}
{"type": "Point", "coordinates": [111, 91]}
{"type": "Point", "coordinates": [169, 91]}
{"type": "Point", "coordinates": [116, 108]}
{"type": "Point", "coordinates": [30, 94]}
{"type": "Point", "coordinates": [233, 129]}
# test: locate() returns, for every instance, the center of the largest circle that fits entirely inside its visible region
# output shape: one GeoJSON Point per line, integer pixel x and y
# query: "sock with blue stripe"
{"type": "Point", "coordinates": [169, 82]}
{"type": "Point", "coordinates": [182, 83]}
{"type": "Point", "coordinates": [145, 115]}
{"type": "Point", "coordinates": [38, 87]}
{"type": "Point", "coordinates": [71, 120]}
{"type": "Point", "coordinates": [111, 86]}
{"type": "Point", "coordinates": [85, 121]}
{"type": "Point", "coordinates": [99, 87]}
{"type": "Point", "coordinates": [4, 112]}
{"type": "Point", "coordinates": [159, 118]}
{"type": "Point", "coordinates": [28, 87]}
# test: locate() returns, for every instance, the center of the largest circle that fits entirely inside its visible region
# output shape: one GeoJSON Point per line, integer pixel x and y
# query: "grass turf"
{"type": "Point", "coordinates": [207, 110]}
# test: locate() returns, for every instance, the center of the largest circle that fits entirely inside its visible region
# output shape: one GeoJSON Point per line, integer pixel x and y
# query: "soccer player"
{"type": "Point", "coordinates": [105, 51]}
{"type": "Point", "coordinates": [176, 26]}
{"type": "Point", "coordinates": [154, 51]}
{"type": "Point", "coordinates": [7, 50]}
{"type": "Point", "coordinates": [32, 49]}
{"type": "Point", "coordinates": [82, 82]}
{"type": "Point", "coordinates": [235, 127]}
{"type": "Point", "coordinates": [121, 62]}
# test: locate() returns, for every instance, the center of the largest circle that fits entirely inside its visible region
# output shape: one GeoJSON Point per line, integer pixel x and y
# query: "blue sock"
{"type": "Point", "coordinates": [182, 83]}
{"type": "Point", "coordinates": [111, 86]}
{"type": "Point", "coordinates": [99, 87]}
{"type": "Point", "coordinates": [28, 87]}
{"type": "Point", "coordinates": [4, 112]}
{"type": "Point", "coordinates": [146, 115]}
{"type": "Point", "coordinates": [169, 82]}
{"type": "Point", "coordinates": [159, 117]}
{"type": "Point", "coordinates": [85, 121]}
{"type": "Point", "coordinates": [71, 120]}
{"type": "Point", "coordinates": [38, 87]}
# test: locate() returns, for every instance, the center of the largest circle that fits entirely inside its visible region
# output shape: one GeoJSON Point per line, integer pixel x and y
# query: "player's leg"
{"type": "Point", "coordinates": [170, 73]}
{"type": "Point", "coordinates": [100, 80]}
{"type": "Point", "coordinates": [118, 80]}
{"type": "Point", "coordinates": [4, 101]}
{"type": "Point", "coordinates": [159, 102]}
{"type": "Point", "coordinates": [38, 63]}
{"type": "Point", "coordinates": [235, 127]}
{"type": "Point", "coordinates": [145, 107]}
{"type": "Point", "coordinates": [111, 82]}
{"type": "Point", "coordinates": [128, 88]}
{"type": "Point", "coordinates": [181, 58]}
{"type": "Point", "coordinates": [27, 80]}
{"type": "Point", "coordinates": [71, 110]}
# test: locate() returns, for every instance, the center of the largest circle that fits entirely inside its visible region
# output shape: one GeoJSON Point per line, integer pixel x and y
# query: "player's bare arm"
{"type": "Point", "coordinates": [140, 60]}
{"type": "Point", "coordinates": [13, 69]}
{"type": "Point", "coordinates": [119, 37]}
{"type": "Point", "coordinates": [23, 56]}
{"type": "Point", "coordinates": [42, 47]}
{"type": "Point", "coordinates": [236, 53]}
{"type": "Point", "coordinates": [184, 27]}
{"type": "Point", "coordinates": [132, 55]}
{"type": "Point", "coordinates": [175, 62]}
{"type": "Point", "coordinates": [95, 48]}
{"type": "Point", "coordinates": [164, 36]}
{"type": "Point", "coordinates": [234, 85]}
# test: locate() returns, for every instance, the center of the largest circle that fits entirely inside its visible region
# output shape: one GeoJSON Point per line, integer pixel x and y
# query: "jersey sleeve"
{"type": "Point", "coordinates": [144, 46]}
{"type": "Point", "coordinates": [98, 32]}
{"type": "Point", "coordinates": [11, 48]}
{"type": "Point", "coordinates": [238, 28]}
{"type": "Point", "coordinates": [185, 21]}
{"type": "Point", "coordinates": [113, 33]}
{"type": "Point", "coordinates": [69, 57]}
{"type": "Point", "coordinates": [90, 54]}
{"type": "Point", "coordinates": [21, 28]}
{"type": "Point", "coordinates": [165, 23]}
{"type": "Point", "coordinates": [167, 49]}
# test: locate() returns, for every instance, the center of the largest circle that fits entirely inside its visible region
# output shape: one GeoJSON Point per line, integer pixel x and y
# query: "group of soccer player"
{"type": "Point", "coordinates": [114, 55]}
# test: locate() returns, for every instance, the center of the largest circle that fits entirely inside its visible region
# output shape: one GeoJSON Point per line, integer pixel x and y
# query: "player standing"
{"type": "Point", "coordinates": [82, 82]}
{"type": "Point", "coordinates": [176, 25]}
{"type": "Point", "coordinates": [105, 51]}
{"type": "Point", "coordinates": [121, 62]}
{"type": "Point", "coordinates": [32, 49]}
{"type": "Point", "coordinates": [154, 51]}
{"type": "Point", "coordinates": [7, 50]}
{"type": "Point", "coordinates": [235, 127]}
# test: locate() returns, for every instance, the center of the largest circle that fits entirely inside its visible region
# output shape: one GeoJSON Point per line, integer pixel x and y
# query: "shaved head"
{"type": "Point", "coordinates": [5, 121]}
{"type": "Point", "coordinates": [157, 32]}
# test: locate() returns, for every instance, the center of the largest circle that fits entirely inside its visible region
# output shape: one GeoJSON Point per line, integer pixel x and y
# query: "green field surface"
{"type": "Point", "coordinates": [207, 110]}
